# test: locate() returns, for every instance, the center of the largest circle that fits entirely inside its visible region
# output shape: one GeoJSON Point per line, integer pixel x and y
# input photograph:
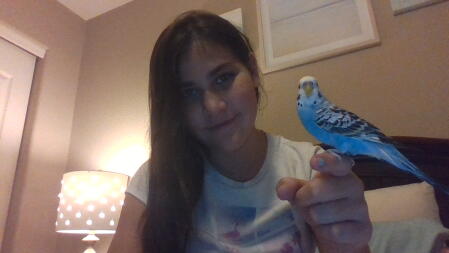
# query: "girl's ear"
{"type": "Point", "coordinates": [254, 69]}
{"type": "Point", "coordinates": [255, 75]}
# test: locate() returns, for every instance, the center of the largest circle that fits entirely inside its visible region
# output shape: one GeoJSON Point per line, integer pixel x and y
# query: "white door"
{"type": "Point", "coordinates": [16, 74]}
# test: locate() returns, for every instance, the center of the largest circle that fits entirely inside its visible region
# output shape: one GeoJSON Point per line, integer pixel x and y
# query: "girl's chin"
{"type": "Point", "coordinates": [229, 143]}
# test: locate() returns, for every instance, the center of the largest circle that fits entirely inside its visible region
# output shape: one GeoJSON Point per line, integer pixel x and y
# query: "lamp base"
{"type": "Point", "coordinates": [91, 239]}
{"type": "Point", "coordinates": [89, 250]}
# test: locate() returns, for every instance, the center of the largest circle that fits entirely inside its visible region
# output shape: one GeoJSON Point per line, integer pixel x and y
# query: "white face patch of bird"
{"type": "Point", "coordinates": [308, 84]}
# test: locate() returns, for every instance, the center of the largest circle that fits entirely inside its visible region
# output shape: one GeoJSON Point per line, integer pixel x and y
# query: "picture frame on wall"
{"type": "Point", "coordinates": [235, 17]}
{"type": "Point", "coordinates": [402, 6]}
{"type": "Point", "coordinates": [296, 32]}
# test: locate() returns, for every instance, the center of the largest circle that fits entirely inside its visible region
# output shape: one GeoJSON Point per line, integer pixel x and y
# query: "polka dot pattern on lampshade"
{"type": "Point", "coordinates": [90, 202]}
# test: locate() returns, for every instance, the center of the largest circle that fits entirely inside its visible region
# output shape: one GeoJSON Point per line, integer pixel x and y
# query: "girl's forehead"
{"type": "Point", "coordinates": [209, 51]}
{"type": "Point", "coordinates": [203, 61]}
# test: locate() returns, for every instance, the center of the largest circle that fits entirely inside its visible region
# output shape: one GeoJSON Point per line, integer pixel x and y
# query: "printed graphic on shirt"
{"type": "Point", "coordinates": [239, 229]}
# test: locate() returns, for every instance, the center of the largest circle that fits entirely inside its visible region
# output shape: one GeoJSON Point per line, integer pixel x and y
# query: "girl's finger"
{"type": "Point", "coordinates": [287, 187]}
{"type": "Point", "coordinates": [323, 188]}
{"type": "Point", "coordinates": [337, 211]}
{"type": "Point", "coordinates": [328, 162]}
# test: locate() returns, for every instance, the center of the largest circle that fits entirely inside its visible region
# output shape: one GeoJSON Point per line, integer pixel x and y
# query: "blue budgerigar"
{"type": "Point", "coordinates": [348, 133]}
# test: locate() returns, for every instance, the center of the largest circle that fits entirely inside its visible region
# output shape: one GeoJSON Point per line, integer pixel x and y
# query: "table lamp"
{"type": "Point", "coordinates": [90, 203]}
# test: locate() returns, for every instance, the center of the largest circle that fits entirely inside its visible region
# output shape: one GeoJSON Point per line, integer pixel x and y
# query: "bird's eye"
{"type": "Point", "coordinates": [314, 102]}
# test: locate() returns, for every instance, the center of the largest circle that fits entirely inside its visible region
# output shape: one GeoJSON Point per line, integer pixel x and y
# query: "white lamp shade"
{"type": "Point", "coordinates": [90, 202]}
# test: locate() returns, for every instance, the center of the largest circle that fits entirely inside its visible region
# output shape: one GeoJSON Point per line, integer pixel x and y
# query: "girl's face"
{"type": "Point", "coordinates": [219, 96]}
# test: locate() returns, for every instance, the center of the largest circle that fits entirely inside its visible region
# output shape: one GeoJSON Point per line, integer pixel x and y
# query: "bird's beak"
{"type": "Point", "coordinates": [308, 88]}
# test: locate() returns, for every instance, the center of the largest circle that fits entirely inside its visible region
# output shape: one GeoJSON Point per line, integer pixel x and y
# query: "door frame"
{"type": "Point", "coordinates": [22, 40]}
{"type": "Point", "coordinates": [33, 47]}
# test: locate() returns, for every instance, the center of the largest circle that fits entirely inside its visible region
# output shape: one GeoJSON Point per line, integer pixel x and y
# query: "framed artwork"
{"type": "Point", "coordinates": [402, 6]}
{"type": "Point", "coordinates": [235, 17]}
{"type": "Point", "coordinates": [295, 32]}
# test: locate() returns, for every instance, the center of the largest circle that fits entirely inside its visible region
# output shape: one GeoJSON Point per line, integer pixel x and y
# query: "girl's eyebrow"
{"type": "Point", "coordinates": [218, 68]}
{"type": "Point", "coordinates": [211, 74]}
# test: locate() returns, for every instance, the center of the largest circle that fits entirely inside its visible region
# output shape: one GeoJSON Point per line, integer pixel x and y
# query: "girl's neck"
{"type": "Point", "coordinates": [245, 163]}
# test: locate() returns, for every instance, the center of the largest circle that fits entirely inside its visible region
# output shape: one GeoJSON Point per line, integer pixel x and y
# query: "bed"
{"type": "Point", "coordinates": [408, 215]}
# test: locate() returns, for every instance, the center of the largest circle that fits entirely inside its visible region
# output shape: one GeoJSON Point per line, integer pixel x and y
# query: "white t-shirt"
{"type": "Point", "coordinates": [248, 216]}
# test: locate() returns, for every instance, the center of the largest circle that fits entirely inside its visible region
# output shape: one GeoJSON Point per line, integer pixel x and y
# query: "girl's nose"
{"type": "Point", "coordinates": [213, 102]}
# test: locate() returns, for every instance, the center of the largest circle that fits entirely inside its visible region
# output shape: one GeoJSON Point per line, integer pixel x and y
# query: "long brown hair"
{"type": "Point", "coordinates": [176, 165]}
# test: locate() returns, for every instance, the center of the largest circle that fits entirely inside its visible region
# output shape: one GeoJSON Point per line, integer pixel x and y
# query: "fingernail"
{"type": "Point", "coordinates": [321, 162]}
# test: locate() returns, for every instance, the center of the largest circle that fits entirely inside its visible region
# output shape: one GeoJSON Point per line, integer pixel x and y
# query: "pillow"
{"type": "Point", "coordinates": [417, 236]}
{"type": "Point", "coordinates": [404, 202]}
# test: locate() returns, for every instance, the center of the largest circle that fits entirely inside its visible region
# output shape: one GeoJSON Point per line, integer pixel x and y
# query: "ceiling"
{"type": "Point", "coordinates": [88, 9]}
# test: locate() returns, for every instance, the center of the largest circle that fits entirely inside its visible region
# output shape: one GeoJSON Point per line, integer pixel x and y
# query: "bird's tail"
{"type": "Point", "coordinates": [396, 158]}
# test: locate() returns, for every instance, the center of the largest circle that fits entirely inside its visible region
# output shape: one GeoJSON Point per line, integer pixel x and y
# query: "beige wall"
{"type": "Point", "coordinates": [48, 125]}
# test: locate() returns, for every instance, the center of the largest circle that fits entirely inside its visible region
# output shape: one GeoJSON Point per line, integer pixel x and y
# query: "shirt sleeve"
{"type": "Point", "coordinates": [298, 155]}
{"type": "Point", "coordinates": [138, 186]}
{"type": "Point", "coordinates": [305, 152]}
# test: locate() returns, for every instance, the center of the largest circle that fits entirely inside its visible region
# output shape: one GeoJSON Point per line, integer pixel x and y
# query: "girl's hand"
{"type": "Point", "coordinates": [332, 203]}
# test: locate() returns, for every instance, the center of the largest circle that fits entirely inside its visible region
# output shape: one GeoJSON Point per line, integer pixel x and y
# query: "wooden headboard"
{"type": "Point", "coordinates": [429, 154]}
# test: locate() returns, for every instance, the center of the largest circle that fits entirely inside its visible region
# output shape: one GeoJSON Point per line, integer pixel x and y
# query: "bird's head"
{"type": "Point", "coordinates": [309, 93]}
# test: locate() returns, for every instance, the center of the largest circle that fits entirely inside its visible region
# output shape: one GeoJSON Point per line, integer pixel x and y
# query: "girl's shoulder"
{"type": "Point", "coordinates": [293, 147]}
{"type": "Point", "coordinates": [138, 186]}
{"type": "Point", "coordinates": [294, 156]}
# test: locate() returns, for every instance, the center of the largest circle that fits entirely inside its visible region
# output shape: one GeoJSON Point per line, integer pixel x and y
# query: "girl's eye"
{"type": "Point", "coordinates": [191, 94]}
{"type": "Point", "coordinates": [225, 79]}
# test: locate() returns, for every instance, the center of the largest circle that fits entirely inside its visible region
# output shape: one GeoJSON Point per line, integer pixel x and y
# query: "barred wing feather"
{"type": "Point", "coordinates": [339, 121]}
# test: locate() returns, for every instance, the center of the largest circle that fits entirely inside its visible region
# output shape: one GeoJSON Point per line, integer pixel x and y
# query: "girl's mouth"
{"type": "Point", "coordinates": [223, 123]}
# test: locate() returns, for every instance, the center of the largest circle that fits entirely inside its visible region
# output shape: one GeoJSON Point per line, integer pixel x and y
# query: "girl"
{"type": "Point", "coordinates": [216, 183]}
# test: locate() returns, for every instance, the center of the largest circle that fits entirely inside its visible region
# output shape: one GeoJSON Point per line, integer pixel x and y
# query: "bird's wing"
{"type": "Point", "coordinates": [339, 121]}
